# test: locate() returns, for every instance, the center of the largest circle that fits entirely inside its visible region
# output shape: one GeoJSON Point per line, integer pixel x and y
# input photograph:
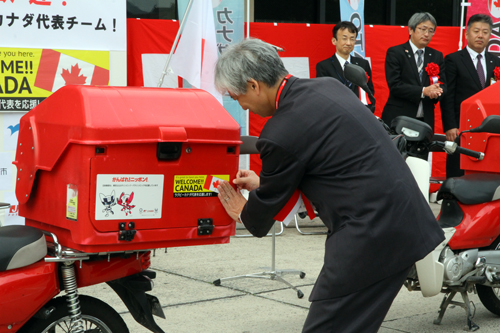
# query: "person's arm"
{"type": "Point", "coordinates": [281, 174]}
{"type": "Point", "coordinates": [320, 70]}
{"type": "Point", "coordinates": [370, 85]}
{"type": "Point", "coordinates": [394, 71]}
{"type": "Point", "coordinates": [450, 126]}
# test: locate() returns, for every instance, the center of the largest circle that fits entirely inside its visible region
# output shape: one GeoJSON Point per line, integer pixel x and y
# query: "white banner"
{"type": "Point", "coordinates": [70, 24]}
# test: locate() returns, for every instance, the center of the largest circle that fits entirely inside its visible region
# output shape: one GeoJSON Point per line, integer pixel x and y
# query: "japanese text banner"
{"type": "Point", "coordinates": [70, 24]}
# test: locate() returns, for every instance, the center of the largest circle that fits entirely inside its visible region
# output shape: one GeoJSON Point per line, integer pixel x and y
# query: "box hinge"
{"type": "Point", "coordinates": [205, 227]}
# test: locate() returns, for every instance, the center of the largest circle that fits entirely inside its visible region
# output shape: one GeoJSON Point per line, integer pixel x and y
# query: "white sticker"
{"type": "Point", "coordinates": [128, 197]}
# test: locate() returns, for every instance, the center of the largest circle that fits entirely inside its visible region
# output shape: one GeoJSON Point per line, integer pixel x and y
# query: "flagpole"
{"type": "Point", "coordinates": [463, 5]}
{"type": "Point", "coordinates": [181, 27]}
{"type": "Point", "coordinates": [248, 18]}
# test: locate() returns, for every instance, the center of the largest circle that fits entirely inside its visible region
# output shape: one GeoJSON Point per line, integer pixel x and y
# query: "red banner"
{"type": "Point", "coordinates": [298, 40]}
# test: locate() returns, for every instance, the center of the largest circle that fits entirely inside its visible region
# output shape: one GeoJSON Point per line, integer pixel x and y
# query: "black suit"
{"type": "Point", "coordinates": [463, 82]}
{"type": "Point", "coordinates": [405, 88]}
{"type": "Point", "coordinates": [331, 67]}
{"type": "Point", "coordinates": [323, 141]}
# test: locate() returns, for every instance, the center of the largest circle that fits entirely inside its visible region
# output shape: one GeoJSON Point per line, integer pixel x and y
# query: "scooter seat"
{"type": "Point", "coordinates": [471, 189]}
{"type": "Point", "coordinates": [20, 246]}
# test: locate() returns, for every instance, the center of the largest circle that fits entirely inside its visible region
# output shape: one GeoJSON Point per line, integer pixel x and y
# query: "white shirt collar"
{"type": "Point", "coordinates": [414, 48]}
{"type": "Point", "coordinates": [473, 54]}
{"type": "Point", "coordinates": [342, 60]}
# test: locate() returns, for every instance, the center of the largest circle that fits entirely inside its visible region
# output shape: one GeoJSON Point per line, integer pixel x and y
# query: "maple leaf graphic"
{"type": "Point", "coordinates": [215, 184]}
{"type": "Point", "coordinates": [73, 77]}
{"type": "Point", "coordinates": [497, 3]}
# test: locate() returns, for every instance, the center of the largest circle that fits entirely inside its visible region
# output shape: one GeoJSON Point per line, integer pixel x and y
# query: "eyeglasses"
{"type": "Point", "coordinates": [424, 31]}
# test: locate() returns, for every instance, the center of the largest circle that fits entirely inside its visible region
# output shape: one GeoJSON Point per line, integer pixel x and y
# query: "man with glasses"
{"type": "Point", "coordinates": [344, 39]}
{"type": "Point", "coordinates": [468, 71]}
{"type": "Point", "coordinates": [415, 73]}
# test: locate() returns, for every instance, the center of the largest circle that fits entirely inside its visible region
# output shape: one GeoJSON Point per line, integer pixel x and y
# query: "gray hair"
{"type": "Point", "coordinates": [249, 59]}
{"type": "Point", "coordinates": [418, 18]}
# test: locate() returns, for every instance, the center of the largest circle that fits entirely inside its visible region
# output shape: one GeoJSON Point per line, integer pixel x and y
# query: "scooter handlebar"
{"type": "Point", "coordinates": [471, 153]}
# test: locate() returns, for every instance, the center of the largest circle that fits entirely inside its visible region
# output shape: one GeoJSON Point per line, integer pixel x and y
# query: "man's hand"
{"type": "Point", "coordinates": [232, 201]}
{"type": "Point", "coordinates": [451, 134]}
{"type": "Point", "coordinates": [246, 180]}
{"type": "Point", "coordinates": [433, 91]}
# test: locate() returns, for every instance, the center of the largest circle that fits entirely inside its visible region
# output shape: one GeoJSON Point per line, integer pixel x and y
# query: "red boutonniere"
{"type": "Point", "coordinates": [368, 76]}
{"type": "Point", "coordinates": [433, 72]}
{"type": "Point", "coordinates": [496, 72]}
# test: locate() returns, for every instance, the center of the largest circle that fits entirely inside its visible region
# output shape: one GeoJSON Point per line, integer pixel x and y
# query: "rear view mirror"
{"type": "Point", "coordinates": [357, 75]}
{"type": "Point", "coordinates": [490, 124]}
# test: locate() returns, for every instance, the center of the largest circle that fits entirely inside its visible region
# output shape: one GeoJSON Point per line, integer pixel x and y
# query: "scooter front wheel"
{"type": "Point", "coordinates": [97, 316]}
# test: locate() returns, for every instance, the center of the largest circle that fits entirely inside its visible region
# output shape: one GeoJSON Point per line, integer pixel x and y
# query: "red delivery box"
{"type": "Point", "coordinates": [126, 168]}
{"type": "Point", "coordinates": [472, 112]}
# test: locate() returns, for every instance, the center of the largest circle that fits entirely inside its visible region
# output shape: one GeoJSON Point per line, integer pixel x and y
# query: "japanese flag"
{"type": "Point", "coordinates": [57, 70]}
{"type": "Point", "coordinates": [196, 54]}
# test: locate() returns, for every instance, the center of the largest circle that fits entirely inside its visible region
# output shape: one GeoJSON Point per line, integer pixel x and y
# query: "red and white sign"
{"type": "Point", "coordinates": [57, 70]}
{"type": "Point", "coordinates": [494, 8]}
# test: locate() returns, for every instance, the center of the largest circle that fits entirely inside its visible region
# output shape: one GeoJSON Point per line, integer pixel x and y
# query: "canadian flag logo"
{"type": "Point", "coordinates": [354, 4]}
{"type": "Point", "coordinates": [57, 70]}
{"type": "Point", "coordinates": [211, 183]}
{"type": "Point", "coordinates": [494, 8]}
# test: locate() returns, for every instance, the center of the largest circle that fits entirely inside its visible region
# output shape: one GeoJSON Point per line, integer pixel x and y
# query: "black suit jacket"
{"type": "Point", "coordinates": [405, 88]}
{"type": "Point", "coordinates": [325, 142]}
{"type": "Point", "coordinates": [463, 82]}
{"type": "Point", "coordinates": [331, 67]}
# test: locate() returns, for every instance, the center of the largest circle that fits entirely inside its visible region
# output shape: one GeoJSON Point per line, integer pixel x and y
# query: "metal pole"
{"type": "Point", "coordinates": [248, 18]}
{"type": "Point", "coordinates": [181, 27]}
{"type": "Point", "coordinates": [463, 5]}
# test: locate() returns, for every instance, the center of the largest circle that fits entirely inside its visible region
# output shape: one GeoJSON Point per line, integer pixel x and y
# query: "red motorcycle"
{"type": "Point", "coordinates": [164, 150]}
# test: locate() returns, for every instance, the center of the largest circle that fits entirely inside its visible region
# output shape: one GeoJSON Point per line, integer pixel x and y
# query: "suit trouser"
{"type": "Point", "coordinates": [359, 312]}
{"type": "Point", "coordinates": [453, 164]}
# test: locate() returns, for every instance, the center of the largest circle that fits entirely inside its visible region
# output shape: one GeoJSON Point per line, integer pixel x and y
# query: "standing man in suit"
{"type": "Point", "coordinates": [412, 91]}
{"type": "Point", "coordinates": [468, 71]}
{"type": "Point", "coordinates": [321, 140]}
{"type": "Point", "coordinates": [344, 39]}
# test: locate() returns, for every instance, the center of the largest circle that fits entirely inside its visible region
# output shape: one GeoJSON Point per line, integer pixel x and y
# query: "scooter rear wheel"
{"type": "Point", "coordinates": [96, 315]}
{"type": "Point", "coordinates": [490, 297]}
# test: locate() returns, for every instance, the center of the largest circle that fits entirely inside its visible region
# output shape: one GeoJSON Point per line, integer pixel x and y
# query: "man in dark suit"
{"type": "Point", "coordinates": [344, 39]}
{"type": "Point", "coordinates": [322, 140]}
{"type": "Point", "coordinates": [468, 71]}
{"type": "Point", "coordinates": [412, 91]}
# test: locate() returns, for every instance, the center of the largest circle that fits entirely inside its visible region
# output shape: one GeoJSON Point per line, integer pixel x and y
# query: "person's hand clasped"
{"type": "Point", "coordinates": [433, 91]}
{"type": "Point", "coordinates": [232, 201]}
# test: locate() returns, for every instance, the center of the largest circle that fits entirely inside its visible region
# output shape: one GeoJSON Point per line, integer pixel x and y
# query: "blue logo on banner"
{"type": "Point", "coordinates": [354, 11]}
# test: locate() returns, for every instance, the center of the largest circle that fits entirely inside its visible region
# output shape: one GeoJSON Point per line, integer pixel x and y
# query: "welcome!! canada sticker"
{"type": "Point", "coordinates": [186, 186]}
{"type": "Point", "coordinates": [121, 197]}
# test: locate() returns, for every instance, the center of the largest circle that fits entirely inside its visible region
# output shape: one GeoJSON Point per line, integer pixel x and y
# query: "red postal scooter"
{"type": "Point", "coordinates": [28, 285]}
{"type": "Point", "coordinates": [469, 258]}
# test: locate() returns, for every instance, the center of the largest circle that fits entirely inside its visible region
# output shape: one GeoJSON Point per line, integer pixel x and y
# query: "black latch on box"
{"type": "Point", "coordinates": [205, 227]}
{"type": "Point", "coordinates": [126, 235]}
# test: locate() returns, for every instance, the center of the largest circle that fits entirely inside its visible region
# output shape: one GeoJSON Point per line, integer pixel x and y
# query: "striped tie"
{"type": "Point", "coordinates": [480, 71]}
{"type": "Point", "coordinates": [420, 63]}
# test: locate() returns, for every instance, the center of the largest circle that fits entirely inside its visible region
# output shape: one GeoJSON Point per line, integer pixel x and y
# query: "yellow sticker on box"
{"type": "Point", "coordinates": [186, 186]}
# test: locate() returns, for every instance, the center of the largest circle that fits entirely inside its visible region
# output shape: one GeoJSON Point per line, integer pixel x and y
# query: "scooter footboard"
{"type": "Point", "coordinates": [430, 271]}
